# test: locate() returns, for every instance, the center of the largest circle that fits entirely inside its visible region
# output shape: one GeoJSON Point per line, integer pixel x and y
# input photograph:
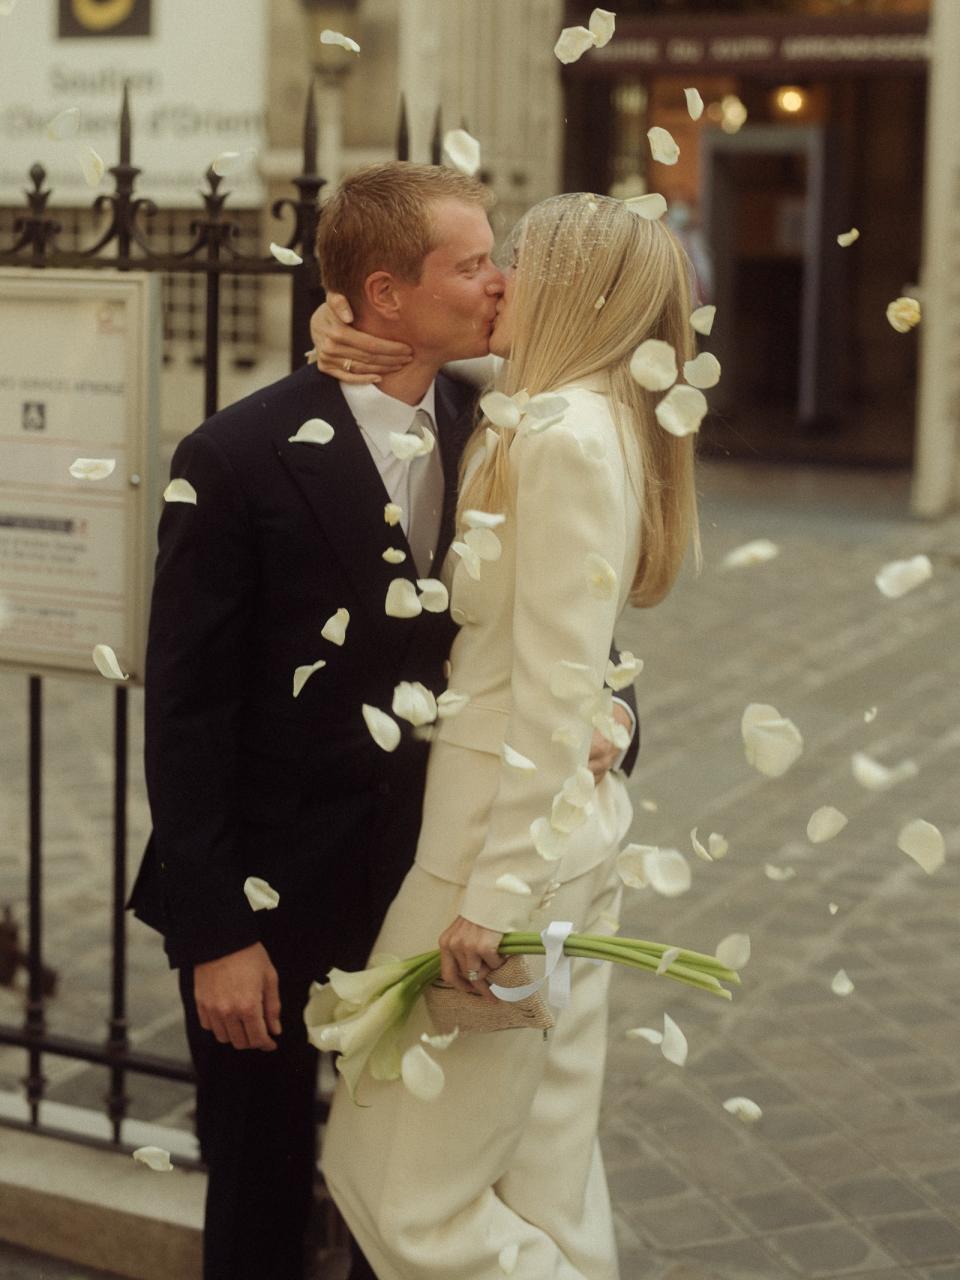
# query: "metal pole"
{"type": "Point", "coordinates": [117, 1040]}
{"type": "Point", "coordinates": [35, 1023]}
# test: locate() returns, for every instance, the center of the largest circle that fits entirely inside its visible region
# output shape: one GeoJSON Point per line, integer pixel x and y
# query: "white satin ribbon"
{"type": "Point", "coordinates": [556, 975]}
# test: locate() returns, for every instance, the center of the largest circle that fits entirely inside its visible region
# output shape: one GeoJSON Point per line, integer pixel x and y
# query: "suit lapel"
{"type": "Point", "coordinates": [454, 424]}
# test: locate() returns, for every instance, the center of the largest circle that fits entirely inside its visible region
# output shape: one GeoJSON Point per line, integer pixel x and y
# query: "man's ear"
{"type": "Point", "coordinates": [381, 296]}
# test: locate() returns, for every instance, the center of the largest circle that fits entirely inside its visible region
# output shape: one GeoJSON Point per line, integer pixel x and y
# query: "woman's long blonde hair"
{"type": "Point", "coordinates": [571, 251]}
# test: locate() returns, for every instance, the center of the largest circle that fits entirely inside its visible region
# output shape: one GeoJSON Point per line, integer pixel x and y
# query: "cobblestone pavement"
{"type": "Point", "coordinates": [854, 1167]}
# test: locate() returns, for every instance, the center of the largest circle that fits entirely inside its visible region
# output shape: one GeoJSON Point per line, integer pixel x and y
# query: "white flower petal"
{"type": "Point", "coordinates": [667, 871]}
{"type": "Point", "coordinates": [825, 823]}
{"type": "Point", "coordinates": [260, 895]}
{"type": "Point", "coordinates": [758, 551]}
{"type": "Point", "coordinates": [694, 103]}
{"type": "Point", "coordinates": [64, 124]}
{"type": "Point", "coordinates": [92, 165]}
{"type": "Point", "coordinates": [602, 25]}
{"type": "Point", "coordinates": [699, 849]}
{"type": "Point", "coordinates": [461, 151]}
{"type": "Point", "coordinates": [875, 776]}
{"type": "Point", "coordinates": [284, 255]}
{"type": "Point", "coordinates": [663, 146]}
{"type": "Point", "coordinates": [573, 680]}
{"type": "Point", "coordinates": [674, 1046]}
{"type": "Point", "coordinates": [703, 372]}
{"type": "Point", "coordinates": [154, 1158]}
{"type": "Point", "coordinates": [549, 843]}
{"type": "Point", "coordinates": [841, 984]}
{"type": "Point", "coordinates": [578, 789]}
{"type": "Point", "coordinates": [900, 576]}
{"type": "Point", "coordinates": [649, 806]}
{"type": "Point", "coordinates": [833, 908]}
{"type": "Point", "coordinates": [483, 519]}
{"type": "Point", "coordinates": [313, 431]}
{"type": "Point", "coordinates": [772, 743]}
{"type": "Point", "coordinates": [904, 314]}
{"type": "Point", "coordinates": [733, 951]}
{"type": "Point", "coordinates": [779, 874]}
{"type": "Point", "coordinates": [384, 730]}
{"type": "Point", "coordinates": [517, 761]}
{"type": "Point", "coordinates": [422, 1076]}
{"type": "Point", "coordinates": [485, 543]}
{"type": "Point", "coordinates": [180, 491]}
{"type": "Point", "coordinates": [414, 702]}
{"type": "Point", "coordinates": [651, 206]}
{"type": "Point", "coordinates": [847, 238]}
{"type": "Point", "coordinates": [336, 37]}
{"type": "Point", "coordinates": [654, 365]}
{"type": "Point", "coordinates": [870, 715]}
{"type": "Point", "coordinates": [406, 445]}
{"type": "Point", "coordinates": [507, 1258]}
{"type": "Point", "coordinates": [402, 600]}
{"type": "Point", "coordinates": [718, 846]}
{"type": "Point", "coordinates": [702, 319]}
{"type": "Point", "coordinates": [544, 410]}
{"type": "Point", "coordinates": [105, 660]}
{"type": "Point", "coordinates": [573, 43]}
{"type": "Point", "coordinates": [434, 596]}
{"type": "Point", "coordinates": [606, 723]}
{"type": "Point", "coordinates": [619, 675]}
{"type": "Point", "coordinates": [666, 960]}
{"type": "Point", "coordinates": [510, 883]}
{"type": "Point", "coordinates": [600, 303]}
{"type": "Point", "coordinates": [335, 627]}
{"type": "Point", "coordinates": [502, 411]}
{"type": "Point", "coordinates": [392, 514]}
{"type": "Point", "coordinates": [302, 674]}
{"type": "Point", "coordinates": [566, 817]}
{"type": "Point", "coordinates": [682, 410]}
{"type": "Point", "coordinates": [650, 1034]}
{"type": "Point", "coordinates": [228, 163]}
{"type": "Point", "coordinates": [92, 468]}
{"type": "Point", "coordinates": [602, 580]}
{"type": "Point", "coordinates": [393, 555]}
{"type": "Point", "coordinates": [923, 842]}
{"type": "Point", "coordinates": [440, 1042]}
{"type": "Point", "coordinates": [450, 704]}
{"type": "Point", "coordinates": [744, 1109]}
{"type": "Point", "coordinates": [469, 557]}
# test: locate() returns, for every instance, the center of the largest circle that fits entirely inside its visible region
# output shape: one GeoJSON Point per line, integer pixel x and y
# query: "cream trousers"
{"type": "Point", "coordinates": [508, 1154]}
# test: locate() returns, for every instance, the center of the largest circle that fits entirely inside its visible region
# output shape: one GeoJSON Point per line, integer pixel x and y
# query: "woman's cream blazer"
{"type": "Point", "coordinates": [549, 600]}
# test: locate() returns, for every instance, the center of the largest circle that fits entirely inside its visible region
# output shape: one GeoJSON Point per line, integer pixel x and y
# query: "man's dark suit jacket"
{"type": "Point", "coordinates": [243, 778]}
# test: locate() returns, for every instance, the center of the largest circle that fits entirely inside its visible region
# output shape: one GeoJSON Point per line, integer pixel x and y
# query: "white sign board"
{"type": "Point", "coordinates": [78, 378]}
{"type": "Point", "coordinates": [197, 78]}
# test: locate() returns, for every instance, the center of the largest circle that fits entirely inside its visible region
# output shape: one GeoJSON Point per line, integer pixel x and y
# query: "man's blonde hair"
{"type": "Point", "coordinates": [380, 219]}
{"type": "Point", "coordinates": [594, 280]}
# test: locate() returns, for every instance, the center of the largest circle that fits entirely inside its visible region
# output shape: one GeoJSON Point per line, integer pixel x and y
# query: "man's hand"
{"type": "Point", "coordinates": [603, 754]}
{"type": "Point", "coordinates": [348, 354]}
{"type": "Point", "coordinates": [467, 948]}
{"type": "Point", "coordinates": [238, 998]}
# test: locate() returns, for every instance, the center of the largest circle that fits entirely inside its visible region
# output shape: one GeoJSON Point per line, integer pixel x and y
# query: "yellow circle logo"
{"type": "Point", "coordinates": [101, 15]}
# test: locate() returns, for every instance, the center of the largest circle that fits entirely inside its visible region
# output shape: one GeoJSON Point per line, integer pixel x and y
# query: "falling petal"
{"type": "Point", "coordinates": [180, 491]}
{"type": "Point", "coordinates": [423, 1077]}
{"type": "Point", "coordinates": [870, 715]}
{"type": "Point", "coordinates": [434, 596]}
{"type": "Point", "coordinates": [336, 37]}
{"type": "Point", "coordinates": [402, 600]}
{"type": "Point", "coordinates": [694, 103]}
{"type": "Point", "coordinates": [483, 519]}
{"type": "Point", "coordinates": [549, 843]}
{"type": "Point", "coordinates": [750, 553]}
{"type": "Point", "coordinates": [602, 25]}
{"type": "Point", "coordinates": [105, 660]}
{"type": "Point", "coordinates": [229, 163]}
{"type": "Point", "coordinates": [667, 871]}
{"type": "Point", "coordinates": [598, 710]}
{"type": "Point", "coordinates": [718, 846]}
{"type": "Point", "coordinates": [779, 874]}
{"type": "Point", "coordinates": [600, 303]}
{"type": "Point", "coordinates": [922, 842]}
{"type": "Point", "coordinates": [440, 1042]}
{"type": "Point", "coordinates": [508, 1255]}
{"type": "Point", "coordinates": [573, 680]}
{"type": "Point", "coordinates": [578, 789]}
{"type": "Point", "coordinates": [841, 984]}
{"type": "Point", "coordinates": [574, 43]}
{"type": "Point", "coordinates": [154, 1158]}
{"type": "Point", "coordinates": [285, 256]}
{"type": "Point", "coordinates": [313, 431]}
{"type": "Point", "coordinates": [392, 514]}
{"type": "Point", "coordinates": [92, 468]}
{"type": "Point", "coordinates": [674, 1046]}
{"type": "Point", "coordinates": [335, 627]}
{"type": "Point", "coordinates": [703, 372]}
{"type": "Point", "coordinates": [833, 908]}
{"type": "Point", "coordinates": [566, 817]}
{"type": "Point", "coordinates": [772, 743]}
{"type": "Point", "coordinates": [666, 960]}
{"type": "Point", "coordinates": [64, 124]}
{"type": "Point", "coordinates": [875, 776]}
{"type": "Point", "coordinates": [510, 883]}
{"type": "Point", "coordinates": [517, 761]}
{"type": "Point", "coordinates": [602, 581]}
{"type": "Point", "coordinates": [682, 410]}
{"type": "Point", "coordinates": [544, 411]}
{"type": "Point", "coordinates": [260, 895]}
{"type": "Point", "coordinates": [630, 867]}
{"type": "Point", "coordinates": [501, 410]}
{"type": "Point", "coordinates": [393, 555]}
{"type": "Point", "coordinates": [663, 146]}
{"type": "Point", "coordinates": [654, 365]}
{"type": "Point", "coordinates": [302, 674]}
{"type": "Point", "coordinates": [485, 543]}
{"type": "Point", "coordinates": [649, 806]}
{"type": "Point", "coordinates": [702, 319]}
{"type": "Point", "coordinates": [699, 849]}
{"type": "Point", "coordinates": [825, 823]}
{"type": "Point", "coordinates": [384, 730]}
{"type": "Point", "coordinates": [651, 206]}
{"type": "Point", "coordinates": [414, 702]}
{"type": "Point", "coordinates": [904, 314]}
{"type": "Point", "coordinates": [900, 576]}
{"type": "Point", "coordinates": [847, 238]}
{"type": "Point", "coordinates": [92, 165]}
{"type": "Point", "coordinates": [744, 1109]}
{"type": "Point", "coordinates": [450, 704]}
{"type": "Point", "coordinates": [409, 444]}
{"type": "Point", "coordinates": [471, 561]}
{"type": "Point", "coordinates": [733, 952]}
{"type": "Point", "coordinates": [461, 151]}
{"type": "Point", "coordinates": [619, 675]}
{"type": "Point", "coordinates": [650, 1034]}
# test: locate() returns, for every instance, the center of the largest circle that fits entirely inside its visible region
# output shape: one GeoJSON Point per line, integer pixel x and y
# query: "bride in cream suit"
{"type": "Point", "coordinates": [503, 1169]}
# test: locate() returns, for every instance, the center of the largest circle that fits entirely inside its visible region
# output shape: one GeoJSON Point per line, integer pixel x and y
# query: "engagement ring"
{"type": "Point", "coordinates": [346, 365]}
{"type": "Point", "coordinates": [473, 975]}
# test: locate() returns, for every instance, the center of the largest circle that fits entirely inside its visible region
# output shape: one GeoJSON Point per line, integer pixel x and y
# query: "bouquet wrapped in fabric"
{"type": "Point", "coordinates": [361, 1015]}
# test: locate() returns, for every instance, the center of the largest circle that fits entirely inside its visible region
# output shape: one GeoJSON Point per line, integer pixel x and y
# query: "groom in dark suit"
{"type": "Point", "coordinates": [251, 776]}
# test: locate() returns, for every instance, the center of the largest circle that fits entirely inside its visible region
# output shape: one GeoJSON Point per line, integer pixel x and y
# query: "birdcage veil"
{"type": "Point", "coordinates": [562, 235]}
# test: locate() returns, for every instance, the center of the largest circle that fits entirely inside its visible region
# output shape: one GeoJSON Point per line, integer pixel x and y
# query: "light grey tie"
{"type": "Point", "coordinates": [426, 498]}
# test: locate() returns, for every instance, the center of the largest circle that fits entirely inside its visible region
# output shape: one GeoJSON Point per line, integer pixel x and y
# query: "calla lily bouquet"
{"type": "Point", "coordinates": [361, 1015]}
